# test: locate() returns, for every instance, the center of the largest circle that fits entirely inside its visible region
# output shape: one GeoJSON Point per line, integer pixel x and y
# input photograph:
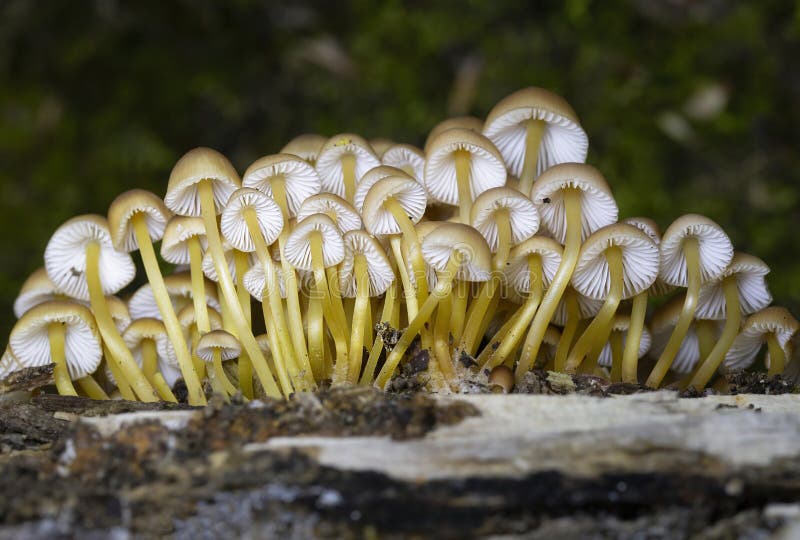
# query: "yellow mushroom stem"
{"type": "Point", "coordinates": [248, 341]}
{"type": "Point", "coordinates": [572, 246]}
{"type": "Point", "coordinates": [458, 312]}
{"type": "Point", "coordinates": [777, 356]}
{"type": "Point", "coordinates": [198, 285]}
{"type": "Point", "coordinates": [316, 331]}
{"type": "Point", "coordinates": [199, 363]}
{"type": "Point", "coordinates": [167, 311]}
{"type": "Point", "coordinates": [412, 242]}
{"type": "Point", "coordinates": [150, 369]}
{"type": "Point", "coordinates": [733, 319]}
{"type": "Point", "coordinates": [535, 264]}
{"type": "Point", "coordinates": [534, 131]}
{"type": "Point", "coordinates": [441, 339]}
{"type": "Point", "coordinates": [57, 333]}
{"type": "Point", "coordinates": [119, 351]}
{"type": "Point", "coordinates": [125, 389]}
{"type": "Point", "coordinates": [569, 331]}
{"type": "Point", "coordinates": [276, 361]}
{"type": "Point", "coordinates": [615, 342]}
{"type": "Point", "coordinates": [389, 314]}
{"type": "Point", "coordinates": [348, 162]}
{"type": "Point", "coordinates": [630, 356]}
{"type": "Point", "coordinates": [598, 330]}
{"type": "Point", "coordinates": [243, 364]}
{"type": "Point", "coordinates": [361, 310]}
{"type": "Point", "coordinates": [335, 299]}
{"type": "Point", "coordinates": [691, 250]}
{"type": "Point", "coordinates": [706, 338]}
{"type": "Point", "coordinates": [463, 160]}
{"type": "Point", "coordinates": [408, 288]}
{"type": "Point", "coordinates": [91, 388]}
{"type": "Point", "coordinates": [219, 373]}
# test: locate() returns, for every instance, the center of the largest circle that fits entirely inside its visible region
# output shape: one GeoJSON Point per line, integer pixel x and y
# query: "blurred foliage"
{"type": "Point", "coordinates": [690, 105]}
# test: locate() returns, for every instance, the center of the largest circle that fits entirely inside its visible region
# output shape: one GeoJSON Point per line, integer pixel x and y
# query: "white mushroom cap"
{"type": "Point", "coordinates": [422, 229]}
{"type": "Point", "coordinates": [153, 329]}
{"type": "Point", "coordinates": [754, 295]}
{"type": "Point", "coordinates": [228, 346]}
{"type": "Point", "coordinates": [329, 162]}
{"type": "Point", "coordinates": [175, 243]}
{"type": "Point", "coordinates": [197, 165]}
{"type": "Point", "coordinates": [233, 225]}
{"type": "Point", "coordinates": [255, 281]}
{"type": "Point", "coordinates": [639, 257]}
{"type": "Point", "coordinates": [298, 245]}
{"type": "Point", "coordinates": [621, 324]}
{"type": "Point", "coordinates": [716, 250]}
{"type": "Point", "coordinates": [142, 303]}
{"type": "Point", "coordinates": [30, 343]}
{"type": "Point", "coordinates": [370, 178]}
{"type": "Point", "coordinates": [487, 169]}
{"type": "Point", "coordinates": [772, 320]}
{"type": "Point", "coordinates": [127, 205]}
{"type": "Point", "coordinates": [301, 179]}
{"type": "Point", "coordinates": [598, 207]}
{"type": "Point", "coordinates": [462, 122]}
{"type": "Point", "coordinates": [587, 307]}
{"type": "Point", "coordinates": [409, 194]}
{"type": "Point", "coordinates": [210, 269]}
{"type": "Point", "coordinates": [65, 257]}
{"type": "Point", "coordinates": [306, 146]}
{"type": "Point", "coordinates": [339, 210]}
{"type": "Point", "coordinates": [522, 214]}
{"type": "Point", "coordinates": [379, 269]}
{"type": "Point", "coordinates": [517, 273]}
{"type": "Point", "coordinates": [8, 363]}
{"type": "Point", "coordinates": [38, 288]}
{"type": "Point", "coordinates": [406, 157]}
{"type": "Point", "coordinates": [448, 238]}
{"type": "Point", "coordinates": [650, 228]}
{"type": "Point", "coordinates": [563, 140]}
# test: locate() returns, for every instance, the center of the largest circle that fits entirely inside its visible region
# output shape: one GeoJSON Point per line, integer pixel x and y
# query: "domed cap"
{"type": "Point", "coordinates": [407, 158]}
{"type": "Point", "coordinates": [339, 210]}
{"type": "Point", "coordinates": [772, 320]}
{"type": "Point", "coordinates": [461, 122]}
{"type": "Point", "coordinates": [449, 238]}
{"type": "Point", "coordinates": [487, 169]}
{"type": "Point", "coordinates": [716, 250]}
{"type": "Point", "coordinates": [127, 205]}
{"type": "Point", "coordinates": [379, 269]}
{"type": "Point", "coordinates": [218, 340]}
{"type": "Point", "coordinates": [142, 304]}
{"type": "Point", "coordinates": [65, 257]}
{"type": "Point", "coordinates": [587, 308]}
{"type": "Point", "coordinates": [651, 229]}
{"type": "Point", "coordinates": [329, 162]}
{"type": "Point", "coordinates": [563, 140]}
{"type": "Point", "coordinates": [622, 323]}
{"type": "Point", "coordinates": [306, 146]}
{"type": "Point", "coordinates": [255, 281]}
{"type": "Point", "coordinates": [754, 295]}
{"type": "Point", "coordinates": [233, 224]}
{"type": "Point", "coordinates": [298, 244]}
{"type": "Point", "coordinates": [639, 262]}
{"type": "Point", "coordinates": [38, 288]}
{"type": "Point", "coordinates": [517, 273]}
{"type": "Point", "coordinates": [175, 243]}
{"type": "Point", "coordinates": [300, 179]}
{"type": "Point", "coordinates": [197, 165]}
{"type": "Point", "coordinates": [522, 215]}
{"type": "Point", "coordinates": [188, 317]}
{"type": "Point", "coordinates": [370, 178]}
{"type": "Point", "coordinates": [30, 341]}
{"type": "Point", "coordinates": [152, 329]}
{"type": "Point", "coordinates": [598, 207]}
{"type": "Point", "coordinates": [408, 193]}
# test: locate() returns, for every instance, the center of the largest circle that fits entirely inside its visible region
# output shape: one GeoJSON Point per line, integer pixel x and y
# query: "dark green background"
{"type": "Point", "coordinates": [690, 106]}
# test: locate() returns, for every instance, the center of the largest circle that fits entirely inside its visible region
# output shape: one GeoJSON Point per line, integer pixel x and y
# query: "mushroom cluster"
{"type": "Point", "coordinates": [494, 250]}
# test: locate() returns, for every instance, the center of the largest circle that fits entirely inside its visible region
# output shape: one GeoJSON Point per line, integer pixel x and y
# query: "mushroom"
{"type": "Point", "coordinates": [460, 165]}
{"type": "Point", "coordinates": [342, 161]}
{"type": "Point", "coordinates": [181, 290]}
{"type": "Point", "coordinates": [740, 290]}
{"type": "Point", "coordinates": [694, 250]}
{"type": "Point", "coordinates": [214, 347]}
{"type": "Point", "coordinates": [306, 146]}
{"type": "Point", "coordinates": [380, 145]}
{"type": "Point", "coordinates": [148, 340]}
{"type": "Point", "coordinates": [408, 158]}
{"type": "Point", "coordinates": [63, 333]}
{"type": "Point", "coordinates": [611, 356]}
{"type": "Point", "coordinates": [200, 184]}
{"type": "Point", "coordinates": [535, 129]}
{"type": "Point", "coordinates": [190, 324]}
{"type": "Point", "coordinates": [370, 178]}
{"type": "Point", "coordinates": [81, 261]}
{"type": "Point", "coordinates": [776, 326]}
{"type": "Point", "coordinates": [615, 263]}
{"type": "Point", "coordinates": [37, 289]}
{"type": "Point", "coordinates": [462, 122]}
{"type": "Point", "coordinates": [501, 380]}
{"type": "Point", "coordinates": [340, 211]}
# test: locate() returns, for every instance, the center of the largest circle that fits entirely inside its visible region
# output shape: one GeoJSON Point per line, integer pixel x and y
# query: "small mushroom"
{"type": "Point", "coordinates": [408, 158]}
{"type": "Point", "coordinates": [37, 289]}
{"type": "Point", "coordinates": [342, 162]}
{"type": "Point", "coordinates": [462, 122]}
{"type": "Point", "coordinates": [501, 380]}
{"type": "Point", "coordinates": [773, 325]}
{"type": "Point", "coordinates": [306, 146]}
{"type": "Point", "coordinates": [155, 352]}
{"type": "Point", "coordinates": [214, 347]}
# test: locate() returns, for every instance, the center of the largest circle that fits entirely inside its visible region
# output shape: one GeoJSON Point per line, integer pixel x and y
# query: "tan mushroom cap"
{"type": "Point", "coordinates": [370, 178]}
{"type": "Point", "coordinates": [487, 169]}
{"type": "Point", "coordinates": [38, 288]}
{"type": "Point", "coordinates": [30, 343]}
{"type": "Point", "coordinates": [339, 210]}
{"type": "Point", "coordinates": [407, 158]}
{"type": "Point", "coordinates": [218, 340]}
{"type": "Point", "coordinates": [300, 178]}
{"type": "Point", "coordinates": [188, 317]}
{"type": "Point", "coordinates": [563, 140]}
{"type": "Point", "coordinates": [298, 244]}
{"type": "Point", "coordinates": [378, 220]}
{"type": "Point", "coordinates": [522, 213]}
{"type": "Point", "coordinates": [380, 145]}
{"type": "Point", "coordinates": [449, 238]}
{"type": "Point", "coordinates": [197, 165]}
{"type": "Point", "coordinates": [754, 295]}
{"type": "Point", "coordinates": [461, 122]}
{"type": "Point", "coordinates": [233, 223]}
{"type": "Point", "coordinates": [65, 257]}
{"type": "Point", "coordinates": [120, 315]}
{"type": "Point", "coordinates": [622, 323]}
{"type": "Point", "coordinates": [329, 161]}
{"type": "Point", "coordinates": [716, 249]}
{"type": "Point", "coordinates": [152, 329]}
{"type": "Point", "coordinates": [639, 255]}
{"type": "Point", "coordinates": [306, 146]}
{"type": "Point", "coordinates": [127, 205]}
{"type": "Point", "coordinates": [175, 243]}
{"type": "Point", "coordinates": [772, 320]}
{"type": "Point", "coordinates": [179, 287]}
{"type": "Point", "coordinates": [598, 207]}
{"type": "Point", "coordinates": [379, 268]}
{"type": "Point", "coordinates": [517, 272]}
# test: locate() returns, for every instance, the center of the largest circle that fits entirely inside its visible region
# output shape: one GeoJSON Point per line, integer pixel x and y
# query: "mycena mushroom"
{"type": "Point", "coordinates": [774, 326]}
{"type": "Point", "coordinates": [148, 339]}
{"type": "Point", "coordinates": [306, 146]}
{"type": "Point", "coordinates": [342, 161]}
{"type": "Point", "coordinates": [215, 347]}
